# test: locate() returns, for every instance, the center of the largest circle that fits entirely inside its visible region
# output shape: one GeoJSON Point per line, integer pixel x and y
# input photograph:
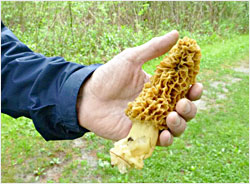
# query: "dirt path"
{"type": "Point", "coordinates": [55, 172]}
{"type": "Point", "coordinates": [203, 103]}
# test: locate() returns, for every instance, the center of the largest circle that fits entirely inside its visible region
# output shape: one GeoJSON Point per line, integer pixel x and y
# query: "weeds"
{"type": "Point", "coordinates": [214, 147]}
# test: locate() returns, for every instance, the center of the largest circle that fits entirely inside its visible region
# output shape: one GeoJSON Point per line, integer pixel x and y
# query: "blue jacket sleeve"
{"type": "Point", "coordinates": [42, 88]}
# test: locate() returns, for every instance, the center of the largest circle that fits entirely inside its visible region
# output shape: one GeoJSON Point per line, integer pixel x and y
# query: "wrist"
{"type": "Point", "coordinates": [82, 103]}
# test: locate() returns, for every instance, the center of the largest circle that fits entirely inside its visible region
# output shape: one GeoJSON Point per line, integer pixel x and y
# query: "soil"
{"type": "Point", "coordinates": [54, 172]}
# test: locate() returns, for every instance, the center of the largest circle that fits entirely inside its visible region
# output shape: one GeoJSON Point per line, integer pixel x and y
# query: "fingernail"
{"type": "Point", "coordinates": [187, 108]}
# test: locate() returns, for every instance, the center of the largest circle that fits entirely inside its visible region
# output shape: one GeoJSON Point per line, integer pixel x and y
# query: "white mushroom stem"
{"type": "Point", "coordinates": [137, 146]}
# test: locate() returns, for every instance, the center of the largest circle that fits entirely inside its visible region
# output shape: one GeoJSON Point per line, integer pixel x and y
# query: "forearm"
{"type": "Point", "coordinates": [42, 88]}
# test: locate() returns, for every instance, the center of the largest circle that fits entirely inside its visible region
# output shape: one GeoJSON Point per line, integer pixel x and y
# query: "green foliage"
{"type": "Point", "coordinates": [93, 32]}
{"type": "Point", "coordinates": [215, 146]}
{"type": "Point", "coordinates": [39, 172]}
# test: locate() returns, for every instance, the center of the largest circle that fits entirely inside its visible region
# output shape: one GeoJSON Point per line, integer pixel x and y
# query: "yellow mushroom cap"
{"type": "Point", "coordinates": [170, 83]}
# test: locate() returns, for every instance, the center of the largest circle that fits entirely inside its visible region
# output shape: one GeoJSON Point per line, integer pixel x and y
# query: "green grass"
{"type": "Point", "coordinates": [219, 53]}
{"type": "Point", "coordinates": [214, 147]}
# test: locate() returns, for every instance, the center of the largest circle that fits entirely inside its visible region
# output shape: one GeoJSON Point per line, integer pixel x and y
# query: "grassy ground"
{"type": "Point", "coordinates": [214, 147]}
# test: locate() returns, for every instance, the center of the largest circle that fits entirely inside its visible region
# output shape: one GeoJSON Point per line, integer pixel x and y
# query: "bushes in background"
{"type": "Point", "coordinates": [93, 32]}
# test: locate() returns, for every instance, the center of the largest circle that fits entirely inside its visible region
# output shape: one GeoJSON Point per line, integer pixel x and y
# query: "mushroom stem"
{"type": "Point", "coordinates": [137, 146]}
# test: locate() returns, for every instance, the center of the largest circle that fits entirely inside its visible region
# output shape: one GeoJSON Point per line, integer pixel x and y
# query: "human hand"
{"type": "Point", "coordinates": [105, 95]}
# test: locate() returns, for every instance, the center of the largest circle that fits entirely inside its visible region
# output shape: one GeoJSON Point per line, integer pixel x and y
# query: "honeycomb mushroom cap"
{"type": "Point", "coordinates": [170, 83]}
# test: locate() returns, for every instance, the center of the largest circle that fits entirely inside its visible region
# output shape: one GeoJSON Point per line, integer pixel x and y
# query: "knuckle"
{"type": "Point", "coordinates": [171, 118]}
{"type": "Point", "coordinates": [186, 101]}
{"type": "Point", "coordinates": [130, 54]}
{"type": "Point", "coordinates": [126, 53]}
{"type": "Point", "coordinates": [166, 139]}
{"type": "Point", "coordinates": [177, 128]}
{"type": "Point", "coordinates": [181, 129]}
{"type": "Point", "coordinates": [184, 107]}
{"type": "Point", "coordinates": [193, 110]}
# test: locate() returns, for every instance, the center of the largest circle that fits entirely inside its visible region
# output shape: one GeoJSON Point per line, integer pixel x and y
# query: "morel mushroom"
{"type": "Point", "coordinates": [171, 82]}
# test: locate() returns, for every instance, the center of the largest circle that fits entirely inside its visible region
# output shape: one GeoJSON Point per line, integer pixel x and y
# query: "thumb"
{"type": "Point", "coordinates": [155, 47]}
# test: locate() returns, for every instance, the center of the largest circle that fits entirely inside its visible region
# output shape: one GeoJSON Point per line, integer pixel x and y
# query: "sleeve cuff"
{"type": "Point", "coordinates": [67, 101]}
